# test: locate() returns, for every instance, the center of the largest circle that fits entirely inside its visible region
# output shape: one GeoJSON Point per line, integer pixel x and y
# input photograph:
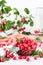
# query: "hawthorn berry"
{"type": "Point", "coordinates": [24, 57]}
{"type": "Point", "coordinates": [12, 55]}
{"type": "Point", "coordinates": [22, 20]}
{"type": "Point", "coordinates": [15, 27]}
{"type": "Point", "coordinates": [22, 29]}
{"type": "Point", "coordinates": [40, 55]}
{"type": "Point", "coordinates": [0, 14]}
{"type": "Point", "coordinates": [14, 58]}
{"type": "Point", "coordinates": [2, 59]}
{"type": "Point", "coordinates": [19, 57]}
{"type": "Point", "coordinates": [0, 30]}
{"type": "Point", "coordinates": [35, 57]}
{"type": "Point", "coordinates": [27, 59]}
{"type": "Point", "coordinates": [36, 31]}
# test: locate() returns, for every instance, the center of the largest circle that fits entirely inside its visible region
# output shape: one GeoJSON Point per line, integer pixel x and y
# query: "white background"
{"type": "Point", "coordinates": [32, 5]}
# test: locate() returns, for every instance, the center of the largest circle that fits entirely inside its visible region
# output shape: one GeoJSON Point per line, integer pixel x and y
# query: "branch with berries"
{"type": "Point", "coordinates": [17, 23]}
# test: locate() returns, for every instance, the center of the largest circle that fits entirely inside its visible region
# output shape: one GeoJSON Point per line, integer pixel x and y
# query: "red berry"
{"type": "Point", "coordinates": [7, 52]}
{"type": "Point", "coordinates": [24, 57]}
{"type": "Point", "coordinates": [0, 30]}
{"type": "Point", "coordinates": [36, 31]}
{"type": "Point", "coordinates": [27, 59]}
{"type": "Point", "coordinates": [2, 59]}
{"type": "Point", "coordinates": [4, 49]}
{"type": "Point", "coordinates": [14, 58]}
{"type": "Point", "coordinates": [3, 21]}
{"type": "Point", "coordinates": [22, 20]}
{"type": "Point", "coordinates": [12, 55]}
{"type": "Point", "coordinates": [40, 55]}
{"type": "Point", "coordinates": [15, 27]}
{"type": "Point", "coordinates": [19, 57]}
{"type": "Point", "coordinates": [8, 56]}
{"type": "Point", "coordinates": [22, 29]}
{"type": "Point", "coordinates": [0, 14]}
{"type": "Point", "coordinates": [22, 47]}
{"type": "Point", "coordinates": [35, 57]}
{"type": "Point", "coordinates": [33, 47]}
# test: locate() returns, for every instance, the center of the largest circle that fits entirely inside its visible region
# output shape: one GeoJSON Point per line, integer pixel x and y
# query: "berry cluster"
{"type": "Point", "coordinates": [10, 55]}
{"type": "Point", "coordinates": [27, 46]}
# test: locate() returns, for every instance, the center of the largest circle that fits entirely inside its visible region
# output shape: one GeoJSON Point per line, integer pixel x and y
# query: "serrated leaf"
{"type": "Point", "coordinates": [38, 39]}
{"type": "Point", "coordinates": [26, 10]}
{"type": "Point", "coordinates": [16, 11]}
{"type": "Point", "coordinates": [27, 33]}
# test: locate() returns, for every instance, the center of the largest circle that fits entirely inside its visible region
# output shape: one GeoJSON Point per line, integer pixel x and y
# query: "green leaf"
{"type": "Point", "coordinates": [3, 11]}
{"type": "Point", "coordinates": [1, 56]}
{"type": "Point", "coordinates": [19, 24]}
{"type": "Point", "coordinates": [27, 33]}
{"type": "Point", "coordinates": [2, 37]}
{"type": "Point", "coordinates": [12, 23]}
{"type": "Point", "coordinates": [2, 2]}
{"type": "Point", "coordinates": [16, 11]}
{"type": "Point", "coordinates": [7, 9]}
{"type": "Point", "coordinates": [18, 40]}
{"type": "Point", "coordinates": [7, 59]}
{"type": "Point", "coordinates": [26, 11]}
{"type": "Point", "coordinates": [38, 39]}
{"type": "Point", "coordinates": [3, 27]}
{"type": "Point", "coordinates": [8, 25]}
{"type": "Point", "coordinates": [26, 22]}
{"type": "Point", "coordinates": [31, 22]}
{"type": "Point", "coordinates": [37, 52]}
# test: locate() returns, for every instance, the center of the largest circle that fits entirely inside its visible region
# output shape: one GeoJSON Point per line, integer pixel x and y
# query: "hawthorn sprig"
{"type": "Point", "coordinates": [16, 24]}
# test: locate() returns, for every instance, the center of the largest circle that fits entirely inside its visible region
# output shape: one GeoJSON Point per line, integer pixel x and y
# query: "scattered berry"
{"type": "Point", "coordinates": [22, 29]}
{"type": "Point", "coordinates": [15, 27]}
{"type": "Point", "coordinates": [24, 57]}
{"type": "Point", "coordinates": [36, 31]}
{"type": "Point", "coordinates": [12, 55]}
{"type": "Point", "coordinates": [27, 59]}
{"type": "Point", "coordinates": [0, 30]}
{"type": "Point", "coordinates": [2, 59]}
{"type": "Point", "coordinates": [40, 55]}
{"type": "Point", "coordinates": [14, 58]}
{"type": "Point", "coordinates": [19, 57]}
{"type": "Point", "coordinates": [35, 57]}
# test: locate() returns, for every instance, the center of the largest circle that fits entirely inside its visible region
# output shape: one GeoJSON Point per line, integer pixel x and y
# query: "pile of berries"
{"type": "Point", "coordinates": [27, 46]}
